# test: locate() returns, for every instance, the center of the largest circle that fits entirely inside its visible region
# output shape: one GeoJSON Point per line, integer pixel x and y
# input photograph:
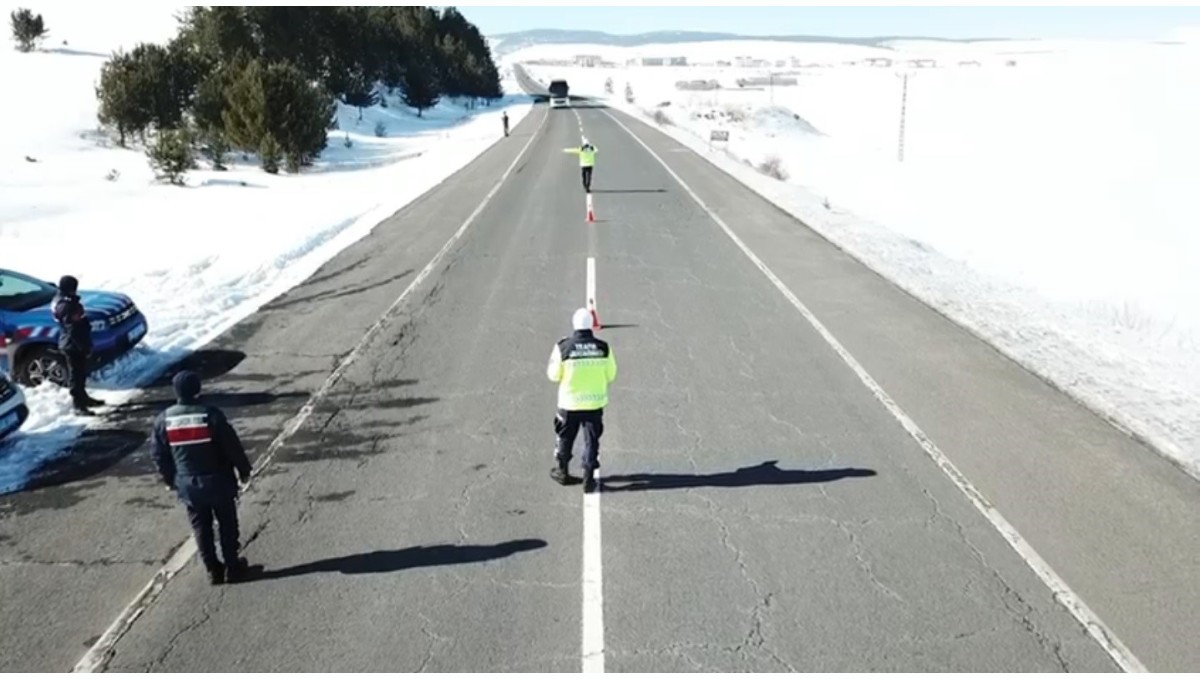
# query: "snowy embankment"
{"type": "Point", "coordinates": [1044, 205]}
{"type": "Point", "coordinates": [196, 259]}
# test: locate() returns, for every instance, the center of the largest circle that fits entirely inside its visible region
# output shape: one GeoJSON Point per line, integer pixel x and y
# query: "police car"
{"type": "Point", "coordinates": [13, 411]}
{"type": "Point", "coordinates": [29, 333]}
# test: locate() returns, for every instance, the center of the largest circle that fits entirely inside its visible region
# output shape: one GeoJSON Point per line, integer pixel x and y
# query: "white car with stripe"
{"type": "Point", "coordinates": [13, 411]}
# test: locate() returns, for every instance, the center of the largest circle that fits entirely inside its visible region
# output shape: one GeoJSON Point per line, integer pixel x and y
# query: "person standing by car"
{"type": "Point", "coordinates": [197, 453]}
{"type": "Point", "coordinates": [75, 342]}
{"type": "Point", "coordinates": [583, 366]}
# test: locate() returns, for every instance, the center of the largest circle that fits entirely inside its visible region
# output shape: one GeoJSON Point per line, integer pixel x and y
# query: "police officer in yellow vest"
{"type": "Point", "coordinates": [587, 162]}
{"type": "Point", "coordinates": [584, 366]}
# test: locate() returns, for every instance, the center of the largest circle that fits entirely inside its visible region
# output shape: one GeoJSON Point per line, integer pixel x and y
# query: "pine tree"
{"type": "Point", "coordinates": [245, 112]}
{"type": "Point", "coordinates": [270, 153]}
{"type": "Point", "coordinates": [123, 104]}
{"type": "Point", "coordinates": [28, 29]}
{"type": "Point", "coordinates": [171, 155]}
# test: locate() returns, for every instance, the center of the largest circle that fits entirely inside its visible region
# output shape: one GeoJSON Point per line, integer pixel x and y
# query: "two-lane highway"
{"type": "Point", "coordinates": [762, 508]}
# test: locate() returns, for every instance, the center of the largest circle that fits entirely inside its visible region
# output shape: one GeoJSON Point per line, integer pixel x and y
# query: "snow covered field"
{"type": "Point", "coordinates": [89, 208]}
{"type": "Point", "coordinates": [1045, 205]}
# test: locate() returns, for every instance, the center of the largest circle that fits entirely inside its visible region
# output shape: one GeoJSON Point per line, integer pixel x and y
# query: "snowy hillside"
{"type": "Point", "coordinates": [1044, 203]}
{"type": "Point", "coordinates": [72, 202]}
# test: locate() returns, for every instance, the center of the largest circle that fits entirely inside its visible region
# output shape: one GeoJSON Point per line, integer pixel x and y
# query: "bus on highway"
{"type": "Point", "coordinates": [558, 94]}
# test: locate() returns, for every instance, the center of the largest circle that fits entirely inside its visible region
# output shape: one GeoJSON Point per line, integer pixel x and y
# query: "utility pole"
{"type": "Point", "coordinates": [903, 112]}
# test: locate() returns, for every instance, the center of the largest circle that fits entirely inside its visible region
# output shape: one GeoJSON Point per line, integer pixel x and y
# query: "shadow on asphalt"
{"type": "Point", "coordinates": [209, 364]}
{"type": "Point", "coordinates": [391, 561]}
{"type": "Point", "coordinates": [617, 326]}
{"type": "Point", "coordinates": [629, 190]}
{"type": "Point", "coordinates": [94, 452]}
{"type": "Point", "coordinates": [225, 401]}
{"type": "Point", "coordinates": [765, 474]}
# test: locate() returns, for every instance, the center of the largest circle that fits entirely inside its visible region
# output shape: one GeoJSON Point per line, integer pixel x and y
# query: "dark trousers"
{"type": "Point", "coordinates": [77, 374]}
{"type": "Point", "coordinates": [206, 499]}
{"type": "Point", "coordinates": [567, 424]}
{"type": "Point", "coordinates": [587, 178]}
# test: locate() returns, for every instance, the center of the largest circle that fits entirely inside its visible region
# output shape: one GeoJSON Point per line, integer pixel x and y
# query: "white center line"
{"type": "Point", "coordinates": [593, 571]}
{"type": "Point", "coordinates": [1063, 593]}
{"type": "Point", "coordinates": [99, 654]}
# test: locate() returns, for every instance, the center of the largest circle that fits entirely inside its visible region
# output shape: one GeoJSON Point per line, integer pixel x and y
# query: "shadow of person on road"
{"type": "Point", "coordinates": [765, 474]}
{"type": "Point", "coordinates": [391, 561]}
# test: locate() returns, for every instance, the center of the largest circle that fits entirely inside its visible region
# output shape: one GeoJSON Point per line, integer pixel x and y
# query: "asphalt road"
{"type": "Point", "coordinates": [761, 509]}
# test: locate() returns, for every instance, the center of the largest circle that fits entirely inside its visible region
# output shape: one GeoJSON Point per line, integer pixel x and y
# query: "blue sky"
{"type": "Point", "coordinates": [944, 22]}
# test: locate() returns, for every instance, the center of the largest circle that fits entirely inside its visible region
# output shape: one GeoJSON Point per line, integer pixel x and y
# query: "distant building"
{"type": "Point", "coordinates": [879, 62]}
{"type": "Point", "coordinates": [697, 85]}
{"type": "Point", "coordinates": [652, 61]}
{"type": "Point", "coordinates": [678, 61]}
{"type": "Point", "coordinates": [587, 60]}
{"type": "Point", "coordinates": [923, 63]}
{"type": "Point", "coordinates": [969, 63]}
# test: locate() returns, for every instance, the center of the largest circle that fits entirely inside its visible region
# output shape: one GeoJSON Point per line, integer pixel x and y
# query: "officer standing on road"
{"type": "Point", "coordinates": [505, 117]}
{"type": "Point", "coordinates": [583, 366]}
{"type": "Point", "coordinates": [75, 342]}
{"type": "Point", "coordinates": [587, 162]}
{"type": "Point", "coordinates": [197, 453]}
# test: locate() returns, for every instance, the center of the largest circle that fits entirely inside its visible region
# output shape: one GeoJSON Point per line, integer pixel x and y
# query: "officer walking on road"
{"type": "Point", "coordinates": [75, 342]}
{"type": "Point", "coordinates": [587, 162]}
{"type": "Point", "coordinates": [197, 453]}
{"type": "Point", "coordinates": [505, 117]}
{"type": "Point", "coordinates": [583, 366]}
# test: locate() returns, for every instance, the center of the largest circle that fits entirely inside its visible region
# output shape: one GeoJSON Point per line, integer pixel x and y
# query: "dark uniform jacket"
{"type": "Point", "coordinates": [197, 451]}
{"type": "Point", "coordinates": [76, 329]}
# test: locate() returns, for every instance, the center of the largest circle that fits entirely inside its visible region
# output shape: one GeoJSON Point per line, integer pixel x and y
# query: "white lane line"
{"type": "Point", "coordinates": [101, 652]}
{"type": "Point", "coordinates": [1099, 631]}
{"type": "Point", "coordinates": [591, 282]}
{"type": "Point", "coordinates": [593, 571]}
{"type": "Point", "coordinates": [593, 584]}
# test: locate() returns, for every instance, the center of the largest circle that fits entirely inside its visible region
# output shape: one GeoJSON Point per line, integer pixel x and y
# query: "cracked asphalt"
{"type": "Point", "coordinates": [761, 510]}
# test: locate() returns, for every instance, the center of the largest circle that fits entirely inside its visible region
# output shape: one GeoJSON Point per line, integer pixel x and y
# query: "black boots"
{"type": "Point", "coordinates": [237, 571]}
{"type": "Point", "coordinates": [561, 476]}
{"type": "Point", "coordinates": [216, 575]}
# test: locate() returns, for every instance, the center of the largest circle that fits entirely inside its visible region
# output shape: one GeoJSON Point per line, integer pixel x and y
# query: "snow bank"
{"type": "Point", "coordinates": [1045, 206]}
{"type": "Point", "coordinates": [196, 259]}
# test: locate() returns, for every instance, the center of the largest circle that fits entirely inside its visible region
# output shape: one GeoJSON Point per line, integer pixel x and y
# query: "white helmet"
{"type": "Point", "coordinates": [582, 319]}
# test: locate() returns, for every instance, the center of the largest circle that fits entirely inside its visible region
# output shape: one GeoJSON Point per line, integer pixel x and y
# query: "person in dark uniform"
{"type": "Point", "coordinates": [75, 342]}
{"type": "Point", "coordinates": [505, 116]}
{"type": "Point", "coordinates": [198, 453]}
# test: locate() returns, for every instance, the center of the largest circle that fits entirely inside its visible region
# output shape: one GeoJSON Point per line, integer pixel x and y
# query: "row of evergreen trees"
{"type": "Point", "coordinates": [264, 79]}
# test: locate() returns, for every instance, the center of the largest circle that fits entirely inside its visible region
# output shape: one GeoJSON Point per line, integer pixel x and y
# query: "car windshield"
{"type": "Point", "coordinates": [21, 293]}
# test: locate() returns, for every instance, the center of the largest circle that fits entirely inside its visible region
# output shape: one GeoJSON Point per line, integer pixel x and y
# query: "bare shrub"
{"type": "Point", "coordinates": [772, 166]}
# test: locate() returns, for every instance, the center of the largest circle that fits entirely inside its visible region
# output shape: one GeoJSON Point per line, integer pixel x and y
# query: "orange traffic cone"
{"type": "Point", "coordinates": [595, 316]}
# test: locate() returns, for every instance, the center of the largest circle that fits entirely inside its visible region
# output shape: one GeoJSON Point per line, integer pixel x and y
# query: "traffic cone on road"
{"type": "Point", "coordinates": [595, 316]}
{"type": "Point", "coordinates": [591, 211]}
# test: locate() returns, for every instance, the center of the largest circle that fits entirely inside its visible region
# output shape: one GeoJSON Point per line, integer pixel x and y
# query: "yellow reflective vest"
{"type": "Point", "coordinates": [587, 155]}
{"type": "Point", "coordinates": [583, 366]}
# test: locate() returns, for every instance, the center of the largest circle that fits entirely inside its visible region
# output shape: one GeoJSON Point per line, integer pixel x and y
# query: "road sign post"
{"type": "Point", "coordinates": [717, 135]}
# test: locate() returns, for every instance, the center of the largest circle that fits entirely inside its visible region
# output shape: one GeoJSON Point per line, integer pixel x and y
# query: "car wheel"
{"type": "Point", "coordinates": [42, 365]}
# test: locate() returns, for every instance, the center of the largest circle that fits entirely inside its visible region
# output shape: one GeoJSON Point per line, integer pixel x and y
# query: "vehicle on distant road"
{"type": "Point", "coordinates": [29, 333]}
{"type": "Point", "coordinates": [559, 94]}
{"type": "Point", "coordinates": [13, 411]}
